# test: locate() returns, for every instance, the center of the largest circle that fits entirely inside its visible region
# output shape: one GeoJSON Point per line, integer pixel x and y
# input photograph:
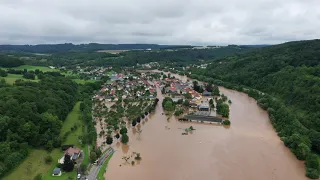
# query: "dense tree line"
{"type": "Point", "coordinates": [172, 58]}
{"type": "Point", "coordinates": [85, 93]}
{"type": "Point", "coordinates": [3, 73]}
{"type": "Point", "coordinates": [176, 58]}
{"type": "Point", "coordinates": [8, 61]}
{"type": "Point", "coordinates": [288, 75]}
{"type": "Point", "coordinates": [222, 108]}
{"type": "Point", "coordinates": [168, 104]}
{"type": "Point", "coordinates": [32, 115]}
{"type": "Point", "coordinates": [69, 47]}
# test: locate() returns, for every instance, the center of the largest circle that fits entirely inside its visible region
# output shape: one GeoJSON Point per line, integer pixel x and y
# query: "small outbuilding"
{"type": "Point", "coordinates": [206, 93]}
{"type": "Point", "coordinates": [204, 108]}
{"type": "Point", "coordinates": [56, 172]}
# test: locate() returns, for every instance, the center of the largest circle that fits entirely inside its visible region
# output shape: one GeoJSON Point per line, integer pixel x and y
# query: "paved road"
{"type": "Point", "coordinates": [93, 173]}
{"type": "Point", "coordinates": [79, 161]}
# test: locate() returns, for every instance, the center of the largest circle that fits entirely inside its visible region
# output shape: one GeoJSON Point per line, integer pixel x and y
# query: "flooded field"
{"type": "Point", "coordinates": [247, 150]}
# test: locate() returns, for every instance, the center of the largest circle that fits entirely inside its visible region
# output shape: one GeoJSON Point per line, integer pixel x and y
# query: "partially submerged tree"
{"type": "Point", "coordinates": [125, 138]}
{"type": "Point", "coordinates": [109, 140]}
{"type": "Point", "coordinates": [138, 157]}
{"type": "Point", "coordinates": [123, 130]}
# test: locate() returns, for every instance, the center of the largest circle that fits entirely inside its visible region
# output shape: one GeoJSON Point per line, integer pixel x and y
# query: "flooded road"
{"type": "Point", "coordinates": [248, 150]}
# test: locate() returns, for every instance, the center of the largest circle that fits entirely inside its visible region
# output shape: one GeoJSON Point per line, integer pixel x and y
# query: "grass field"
{"type": "Point", "coordinates": [103, 168]}
{"type": "Point", "coordinates": [32, 68]}
{"type": "Point", "coordinates": [112, 51]}
{"type": "Point", "coordinates": [73, 118]}
{"type": "Point", "coordinates": [11, 78]}
{"type": "Point", "coordinates": [81, 81]}
{"type": "Point", "coordinates": [34, 163]}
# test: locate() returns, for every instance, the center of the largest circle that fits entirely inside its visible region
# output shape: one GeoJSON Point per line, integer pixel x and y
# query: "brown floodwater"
{"type": "Point", "coordinates": [247, 150]}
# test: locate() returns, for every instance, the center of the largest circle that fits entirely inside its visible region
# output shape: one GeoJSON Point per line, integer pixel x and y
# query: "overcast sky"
{"type": "Point", "coordinates": [158, 21]}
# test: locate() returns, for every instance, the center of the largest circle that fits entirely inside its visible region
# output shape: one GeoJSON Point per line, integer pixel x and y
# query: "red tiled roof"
{"type": "Point", "coordinates": [72, 151]}
{"type": "Point", "coordinates": [173, 89]}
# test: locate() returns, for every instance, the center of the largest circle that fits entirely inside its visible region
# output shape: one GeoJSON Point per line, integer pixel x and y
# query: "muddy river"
{"type": "Point", "coordinates": [248, 150]}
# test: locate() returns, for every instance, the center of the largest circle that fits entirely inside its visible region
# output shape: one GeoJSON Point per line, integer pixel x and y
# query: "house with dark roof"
{"type": "Point", "coordinates": [206, 93]}
{"type": "Point", "coordinates": [172, 90]}
{"type": "Point", "coordinates": [56, 172]}
{"type": "Point", "coordinates": [204, 107]}
{"type": "Point", "coordinates": [74, 153]}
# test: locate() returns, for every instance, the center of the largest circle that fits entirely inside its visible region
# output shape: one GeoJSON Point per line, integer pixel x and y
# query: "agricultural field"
{"type": "Point", "coordinates": [33, 68]}
{"type": "Point", "coordinates": [34, 164]}
{"type": "Point", "coordinates": [112, 51]}
{"type": "Point", "coordinates": [11, 78]}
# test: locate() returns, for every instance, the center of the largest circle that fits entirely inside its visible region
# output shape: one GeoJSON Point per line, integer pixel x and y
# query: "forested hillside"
{"type": "Point", "coordinates": [31, 114]}
{"type": "Point", "coordinates": [7, 61]}
{"type": "Point", "coordinates": [290, 73]}
{"type": "Point", "coordinates": [172, 56]}
{"type": "Point", "coordinates": [91, 47]}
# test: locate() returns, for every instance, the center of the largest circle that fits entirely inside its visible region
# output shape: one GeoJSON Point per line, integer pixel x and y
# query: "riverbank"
{"type": "Point", "coordinates": [250, 148]}
{"type": "Point", "coordinates": [103, 168]}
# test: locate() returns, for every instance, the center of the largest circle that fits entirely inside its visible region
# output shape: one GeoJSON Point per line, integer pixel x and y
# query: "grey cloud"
{"type": "Point", "coordinates": [163, 22]}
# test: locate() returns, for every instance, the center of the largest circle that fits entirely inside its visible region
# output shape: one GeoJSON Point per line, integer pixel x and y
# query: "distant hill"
{"type": "Point", "coordinates": [92, 47]}
{"type": "Point", "coordinates": [290, 71]}
{"type": "Point", "coordinates": [67, 47]}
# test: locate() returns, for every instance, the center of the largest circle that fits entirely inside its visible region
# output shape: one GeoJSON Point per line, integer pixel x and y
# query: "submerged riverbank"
{"type": "Point", "coordinates": [249, 149]}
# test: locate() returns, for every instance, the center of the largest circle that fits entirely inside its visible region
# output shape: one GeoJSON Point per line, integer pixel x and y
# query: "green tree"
{"type": "Point", "coordinates": [3, 73]}
{"type": "Point", "coordinates": [29, 75]}
{"type": "Point", "coordinates": [302, 151]}
{"type": "Point", "coordinates": [312, 161]}
{"type": "Point", "coordinates": [123, 130]}
{"type": "Point", "coordinates": [168, 106]}
{"type": "Point", "coordinates": [209, 87]}
{"type": "Point", "coordinates": [48, 159]}
{"type": "Point", "coordinates": [68, 164]}
{"type": "Point", "coordinates": [117, 136]}
{"type": "Point", "coordinates": [83, 168]}
{"type": "Point", "coordinates": [37, 71]}
{"type": "Point", "coordinates": [312, 173]}
{"type": "Point", "coordinates": [109, 140]}
{"type": "Point", "coordinates": [125, 138]}
{"type": "Point", "coordinates": [216, 91]}
{"type": "Point", "coordinates": [315, 140]}
{"type": "Point", "coordinates": [211, 101]}
{"type": "Point", "coordinates": [115, 127]}
{"type": "Point", "coordinates": [188, 96]}
{"type": "Point", "coordinates": [49, 145]}
{"type": "Point", "coordinates": [226, 122]}
{"type": "Point", "coordinates": [186, 103]}
{"type": "Point", "coordinates": [38, 177]}
{"type": "Point", "coordinates": [93, 157]}
{"type": "Point", "coordinates": [134, 123]}
{"type": "Point", "coordinates": [82, 106]}
{"type": "Point", "coordinates": [138, 156]}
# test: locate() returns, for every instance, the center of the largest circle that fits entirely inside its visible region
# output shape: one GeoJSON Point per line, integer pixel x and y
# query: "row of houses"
{"type": "Point", "coordinates": [122, 87]}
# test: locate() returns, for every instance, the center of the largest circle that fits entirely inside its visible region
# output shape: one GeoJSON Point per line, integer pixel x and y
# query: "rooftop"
{"type": "Point", "coordinates": [72, 151]}
{"type": "Point", "coordinates": [56, 171]}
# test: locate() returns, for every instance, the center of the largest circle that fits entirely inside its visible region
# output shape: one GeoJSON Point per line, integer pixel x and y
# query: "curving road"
{"type": "Point", "coordinates": [93, 173]}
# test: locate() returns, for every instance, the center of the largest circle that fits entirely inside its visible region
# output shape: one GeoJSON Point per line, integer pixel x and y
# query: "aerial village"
{"type": "Point", "coordinates": [127, 97]}
{"type": "Point", "coordinates": [124, 100]}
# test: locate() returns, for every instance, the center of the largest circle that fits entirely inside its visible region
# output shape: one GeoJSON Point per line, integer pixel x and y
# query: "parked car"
{"type": "Point", "coordinates": [79, 176]}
